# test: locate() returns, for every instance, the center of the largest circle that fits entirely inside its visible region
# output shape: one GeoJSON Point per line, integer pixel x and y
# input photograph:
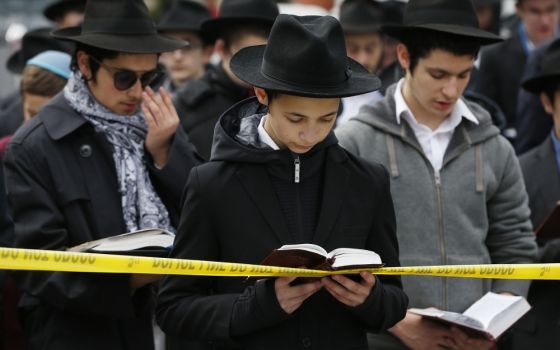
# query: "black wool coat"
{"type": "Point", "coordinates": [62, 188]}
{"type": "Point", "coordinates": [540, 327]}
{"type": "Point", "coordinates": [500, 73]}
{"type": "Point", "coordinates": [201, 102]}
{"type": "Point", "coordinates": [232, 213]}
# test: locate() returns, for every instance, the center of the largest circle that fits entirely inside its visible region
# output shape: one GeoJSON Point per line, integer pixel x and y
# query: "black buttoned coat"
{"type": "Point", "coordinates": [62, 188]}
{"type": "Point", "coordinates": [232, 213]}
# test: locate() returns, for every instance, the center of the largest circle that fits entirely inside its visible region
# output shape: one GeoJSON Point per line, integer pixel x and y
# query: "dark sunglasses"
{"type": "Point", "coordinates": [124, 79]}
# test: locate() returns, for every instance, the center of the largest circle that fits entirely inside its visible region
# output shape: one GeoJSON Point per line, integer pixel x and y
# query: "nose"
{"type": "Point", "coordinates": [309, 136]}
{"type": "Point", "coordinates": [451, 89]}
{"type": "Point", "coordinates": [177, 54]}
{"type": "Point", "coordinates": [136, 90]}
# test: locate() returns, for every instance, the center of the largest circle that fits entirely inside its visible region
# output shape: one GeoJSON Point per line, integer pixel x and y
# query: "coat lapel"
{"type": "Point", "coordinates": [549, 172]}
{"type": "Point", "coordinates": [335, 185]}
{"type": "Point", "coordinates": [99, 174]}
{"type": "Point", "coordinates": [257, 183]}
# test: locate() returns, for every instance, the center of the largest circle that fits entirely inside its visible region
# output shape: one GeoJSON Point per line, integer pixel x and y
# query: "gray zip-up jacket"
{"type": "Point", "coordinates": [474, 212]}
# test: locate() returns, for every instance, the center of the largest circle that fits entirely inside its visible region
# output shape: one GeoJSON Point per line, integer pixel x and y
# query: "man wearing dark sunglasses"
{"type": "Point", "coordinates": [104, 157]}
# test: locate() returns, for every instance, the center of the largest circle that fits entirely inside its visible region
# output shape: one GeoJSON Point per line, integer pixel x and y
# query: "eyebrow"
{"type": "Point", "coordinates": [439, 70]}
{"type": "Point", "coordinates": [299, 115]}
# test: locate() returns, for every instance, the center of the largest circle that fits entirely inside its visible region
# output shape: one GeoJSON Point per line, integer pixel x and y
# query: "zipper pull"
{"type": "Point", "coordinates": [297, 164]}
{"type": "Point", "coordinates": [437, 177]}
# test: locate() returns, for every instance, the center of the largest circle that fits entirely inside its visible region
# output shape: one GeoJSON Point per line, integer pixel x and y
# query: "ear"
{"type": "Point", "coordinates": [83, 64]}
{"type": "Point", "coordinates": [207, 52]}
{"type": "Point", "coordinates": [261, 95]}
{"type": "Point", "coordinates": [220, 48]}
{"type": "Point", "coordinates": [547, 103]}
{"type": "Point", "coordinates": [403, 56]}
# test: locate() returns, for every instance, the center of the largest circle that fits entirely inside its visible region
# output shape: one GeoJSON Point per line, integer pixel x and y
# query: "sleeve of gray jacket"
{"type": "Point", "coordinates": [510, 237]}
{"type": "Point", "coordinates": [349, 136]}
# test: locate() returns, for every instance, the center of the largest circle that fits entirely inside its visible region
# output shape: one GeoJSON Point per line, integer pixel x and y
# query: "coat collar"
{"type": "Point", "coordinates": [59, 118]}
{"type": "Point", "coordinates": [257, 184]}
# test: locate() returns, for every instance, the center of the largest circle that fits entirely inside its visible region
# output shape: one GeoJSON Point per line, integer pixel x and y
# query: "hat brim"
{"type": "Point", "coordinates": [214, 27]}
{"type": "Point", "coordinates": [134, 43]}
{"type": "Point", "coordinates": [15, 63]}
{"type": "Point", "coordinates": [541, 83]}
{"type": "Point", "coordinates": [246, 64]}
{"type": "Point", "coordinates": [402, 31]}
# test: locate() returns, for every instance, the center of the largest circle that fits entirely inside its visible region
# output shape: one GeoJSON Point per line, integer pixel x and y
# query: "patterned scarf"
{"type": "Point", "coordinates": [142, 207]}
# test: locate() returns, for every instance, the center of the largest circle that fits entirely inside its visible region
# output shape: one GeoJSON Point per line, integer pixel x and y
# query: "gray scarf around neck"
{"type": "Point", "coordinates": [141, 205]}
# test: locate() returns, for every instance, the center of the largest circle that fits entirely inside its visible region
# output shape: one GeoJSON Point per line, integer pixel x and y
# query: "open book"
{"type": "Point", "coordinates": [150, 242]}
{"type": "Point", "coordinates": [314, 257]}
{"type": "Point", "coordinates": [489, 317]}
{"type": "Point", "coordinates": [550, 228]}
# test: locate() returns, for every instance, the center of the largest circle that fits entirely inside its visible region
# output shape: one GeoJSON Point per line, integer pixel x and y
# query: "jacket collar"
{"type": "Point", "coordinates": [60, 119]}
{"type": "Point", "coordinates": [258, 186]}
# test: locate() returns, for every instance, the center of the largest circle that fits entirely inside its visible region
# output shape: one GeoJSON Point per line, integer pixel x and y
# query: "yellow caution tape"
{"type": "Point", "coordinates": [49, 260]}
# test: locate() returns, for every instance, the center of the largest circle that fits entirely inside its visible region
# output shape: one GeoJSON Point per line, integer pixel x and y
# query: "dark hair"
{"type": "Point", "coordinates": [239, 30]}
{"type": "Point", "coordinates": [271, 95]}
{"type": "Point", "coordinates": [39, 81]}
{"type": "Point", "coordinates": [550, 90]}
{"type": "Point", "coordinates": [96, 52]}
{"type": "Point", "coordinates": [421, 43]}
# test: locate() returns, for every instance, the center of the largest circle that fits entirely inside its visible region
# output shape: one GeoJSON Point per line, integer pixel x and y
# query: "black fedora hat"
{"type": "Point", "coordinates": [456, 17]}
{"type": "Point", "coordinates": [549, 75]}
{"type": "Point", "coordinates": [361, 16]}
{"type": "Point", "coordinates": [305, 56]}
{"type": "Point", "coordinates": [241, 11]}
{"type": "Point", "coordinates": [119, 25]}
{"type": "Point", "coordinates": [62, 7]}
{"type": "Point", "coordinates": [184, 16]}
{"type": "Point", "coordinates": [33, 43]}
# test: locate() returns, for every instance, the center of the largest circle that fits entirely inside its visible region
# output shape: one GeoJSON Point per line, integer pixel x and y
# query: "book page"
{"type": "Point", "coordinates": [135, 240]}
{"type": "Point", "coordinates": [354, 257]}
{"type": "Point", "coordinates": [489, 306]}
{"type": "Point", "coordinates": [451, 317]}
{"type": "Point", "coordinates": [313, 248]}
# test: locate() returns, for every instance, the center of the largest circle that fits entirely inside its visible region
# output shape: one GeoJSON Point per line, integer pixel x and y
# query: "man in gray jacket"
{"type": "Point", "coordinates": [457, 187]}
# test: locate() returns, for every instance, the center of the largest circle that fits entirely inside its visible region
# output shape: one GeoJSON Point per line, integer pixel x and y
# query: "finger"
{"type": "Point", "coordinates": [368, 279]}
{"type": "Point", "coordinates": [475, 343]}
{"type": "Point", "coordinates": [340, 293]}
{"type": "Point", "coordinates": [153, 107]}
{"type": "Point", "coordinates": [352, 286]}
{"type": "Point", "coordinates": [284, 281]}
{"type": "Point", "coordinates": [168, 101]}
{"type": "Point", "coordinates": [459, 336]}
{"type": "Point", "coordinates": [148, 115]}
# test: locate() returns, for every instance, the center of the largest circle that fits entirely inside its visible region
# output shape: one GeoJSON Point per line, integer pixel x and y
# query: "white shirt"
{"type": "Point", "coordinates": [351, 105]}
{"type": "Point", "coordinates": [264, 137]}
{"type": "Point", "coordinates": [433, 142]}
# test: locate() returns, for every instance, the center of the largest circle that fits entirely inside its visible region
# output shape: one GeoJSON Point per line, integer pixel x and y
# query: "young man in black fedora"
{"type": "Point", "coordinates": [104, 157]}
{"type": "Point", "coordinates": [278, 176]}
{"type": "Point", "coordinates": [200, 103]}
{"type": "Point", "coordinates": [456, 183]}
{"type": "Point", "coordinates": [65, 13]}
{"type": "Point", "coordinates": [361, 22]}
{"type": "Point", "coordinates": [541, 168]}
{"type": "Point", "coordinates": [183, 20]}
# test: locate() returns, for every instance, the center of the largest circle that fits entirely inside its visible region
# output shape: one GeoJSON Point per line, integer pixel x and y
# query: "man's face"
{"type": "Point", "coordinates": [186, 63]}
{"type": "Point", "coordinates": [552, 108]}
{"type": "Point", "coordinates": [102, 87]}
{"type": "Point", "coordinates": [436, 83]}
{"type": "Point", "coordinates": [32, 103]}
{"type": "Point", "coordinates": [227, 53]}
{"type": "Point", "coordinates": [540, 18]}
{"type": "Point", "coordinates": [299, 123]}
{"type": "Point", "coordinates": [70, 19]}
{"type": "Point", "coordinates": [366, 49]}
